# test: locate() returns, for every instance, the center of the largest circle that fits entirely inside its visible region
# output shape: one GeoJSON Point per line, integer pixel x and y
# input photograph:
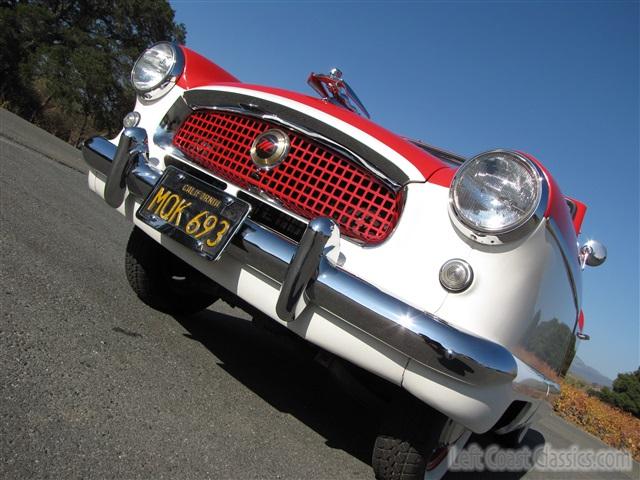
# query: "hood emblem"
{"type": "Point", "coordinates": [269, 149]}
{"type": "Point", "coordinates": [333, 89]}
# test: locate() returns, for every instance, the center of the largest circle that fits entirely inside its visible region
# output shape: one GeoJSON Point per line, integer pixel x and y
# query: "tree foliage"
{"type": "Point", "coordinates": [65, 64]}
{"type": "Point", "coordinates": [625, 393]}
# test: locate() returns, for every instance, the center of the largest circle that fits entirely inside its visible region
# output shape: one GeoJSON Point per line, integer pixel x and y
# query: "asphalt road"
{"type": "Point", "coordinates": [93, 384]}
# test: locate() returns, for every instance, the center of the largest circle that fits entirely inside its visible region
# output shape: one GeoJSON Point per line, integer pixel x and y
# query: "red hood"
{"type": "Point", "coordinates": [418, 164]}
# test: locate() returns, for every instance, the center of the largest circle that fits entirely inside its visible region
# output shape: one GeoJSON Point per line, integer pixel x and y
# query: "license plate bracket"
{"type": "Point", "coordinates": [193, 212]}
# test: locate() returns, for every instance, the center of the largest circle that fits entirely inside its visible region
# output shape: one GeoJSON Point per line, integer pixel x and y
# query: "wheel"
{"type": "Point", "coordinates": [416, 442]}
{"type": "Point", "coordinates": [163, 281]}
{"type": "Point", "coordinates": [512, 439]}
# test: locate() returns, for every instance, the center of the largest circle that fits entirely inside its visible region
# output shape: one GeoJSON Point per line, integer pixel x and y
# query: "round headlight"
{"type": "Point", "coordinates": [157, 68]}
{"type": "Point", "coordinates": [495, 193]}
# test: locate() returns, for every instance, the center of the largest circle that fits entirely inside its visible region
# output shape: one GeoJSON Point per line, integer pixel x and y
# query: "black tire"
{"type": "Point", "coordinates": [512, 439]}
{"type": "Point", "coordinates": [163, 281]}
{"type": "Point", "coordinates": [408, 445]}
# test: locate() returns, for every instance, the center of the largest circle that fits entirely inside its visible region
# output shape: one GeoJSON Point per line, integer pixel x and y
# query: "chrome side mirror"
{"type": "Point", "coordinates": [593, 253]}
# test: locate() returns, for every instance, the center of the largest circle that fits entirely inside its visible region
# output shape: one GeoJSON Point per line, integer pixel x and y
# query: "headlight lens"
{"type": "Point", "coordinates": [496, 192]}
{"type": "Point", "coordinates": [155, 66]}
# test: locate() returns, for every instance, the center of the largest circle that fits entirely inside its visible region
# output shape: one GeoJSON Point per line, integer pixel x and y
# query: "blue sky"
{"type": "Point", "coordinates": [556, 79]}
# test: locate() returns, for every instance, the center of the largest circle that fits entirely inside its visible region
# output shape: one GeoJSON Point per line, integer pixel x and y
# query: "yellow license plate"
{"type": "Point", "coordinates": [193, 212]}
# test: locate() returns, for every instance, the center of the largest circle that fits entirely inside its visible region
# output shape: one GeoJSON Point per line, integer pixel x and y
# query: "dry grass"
{"type": "Point", "coordinates": [613, 426]}
{"type": "Point", "coordinates": [534, 361]}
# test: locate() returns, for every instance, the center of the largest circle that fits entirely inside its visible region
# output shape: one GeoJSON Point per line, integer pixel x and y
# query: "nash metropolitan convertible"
{"type": "Point", "coordinates": [448, 289]}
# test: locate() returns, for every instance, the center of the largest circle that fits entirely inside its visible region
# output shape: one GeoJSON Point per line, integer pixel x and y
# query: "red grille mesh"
{"type": "Point", "coordinates": [312, 181]}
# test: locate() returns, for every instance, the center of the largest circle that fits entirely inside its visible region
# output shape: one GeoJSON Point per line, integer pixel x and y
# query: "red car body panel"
{"type": "Point", "coordinates": [444, 177]}
{"type": "Point", "coordinates": [199, 71]}
{"type": "Point", "coordinates": [558, 210]}
{"type": "Point", "coordinates": [581, 211]}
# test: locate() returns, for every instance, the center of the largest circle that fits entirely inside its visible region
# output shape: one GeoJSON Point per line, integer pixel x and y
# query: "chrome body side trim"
{"type": "Point", "coordinates": [571, 263]}
{"type": "Point", "coordinates": [418, 335]}
{"type": "Point", "coordinates": [531, 383]}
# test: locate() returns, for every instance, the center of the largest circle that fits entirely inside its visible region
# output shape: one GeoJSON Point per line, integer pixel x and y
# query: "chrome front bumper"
{"type": "Point", "coordinates": [304, 271]}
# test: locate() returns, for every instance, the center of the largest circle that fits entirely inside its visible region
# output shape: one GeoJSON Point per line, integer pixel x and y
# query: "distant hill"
{"type": "Point", "coordinates": [588, 374]}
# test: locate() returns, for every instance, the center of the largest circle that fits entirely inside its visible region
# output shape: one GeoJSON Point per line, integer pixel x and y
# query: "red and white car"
{"type": "Point", "coordinates": [456, 281]}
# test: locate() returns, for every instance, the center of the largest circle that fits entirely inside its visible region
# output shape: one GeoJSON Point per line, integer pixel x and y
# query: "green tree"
{"type": "Point", "coordinates": [625, 393]}
{"type": "Point", "coordinates": [74, 56]}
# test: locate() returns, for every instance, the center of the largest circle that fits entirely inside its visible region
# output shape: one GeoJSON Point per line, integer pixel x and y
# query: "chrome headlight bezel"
{"type": "Point", "coordinates": [168, 79]}
{"type": "Point", "coordinates": [511, 232]}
